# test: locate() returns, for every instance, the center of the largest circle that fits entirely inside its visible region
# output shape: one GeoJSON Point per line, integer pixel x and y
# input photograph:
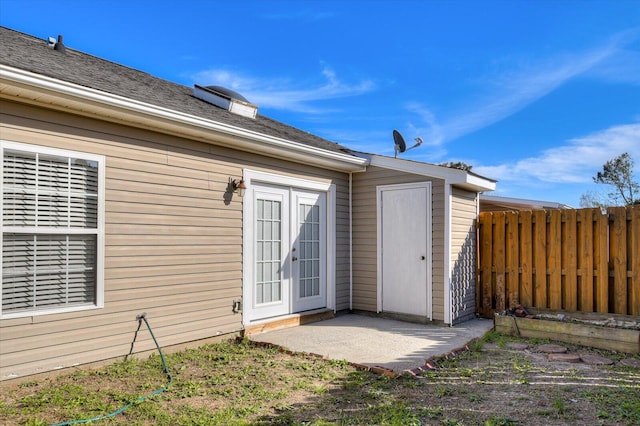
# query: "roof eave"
{"type": "Point", "coordinates": [522, 203]}
{"type": "Point", "coordinates": [25, 86]}
{"type": "Point", "coordinates": [455, 177]}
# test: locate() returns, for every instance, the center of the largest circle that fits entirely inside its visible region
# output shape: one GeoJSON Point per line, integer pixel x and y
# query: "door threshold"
{"type": "Point", "coordinates": [291, 320]}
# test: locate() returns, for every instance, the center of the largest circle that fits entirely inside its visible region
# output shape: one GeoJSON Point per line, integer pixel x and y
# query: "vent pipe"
{"type": "Point", "coordinates": [59, 46]}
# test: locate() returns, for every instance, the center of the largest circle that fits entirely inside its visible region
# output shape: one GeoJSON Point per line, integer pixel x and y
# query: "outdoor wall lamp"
{"type": "Point", "coordinates": [238, 187]}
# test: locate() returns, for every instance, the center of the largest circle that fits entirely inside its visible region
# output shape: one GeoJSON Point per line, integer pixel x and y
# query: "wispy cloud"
{"type": "Point", "coordinates": [428, 128]}
{"type": "Point", "coordinates": [624, 65]}
{"type": "Point", "coordinates": [285, 94]}
{"type": "Point", "coordinates": [294, 14]}
{"type": "Point", "coordinates": [499, 96]}
{"type": "Point", "coordinates": [515, 90]}
{"type": "Point", "coordinates": [575, 162]}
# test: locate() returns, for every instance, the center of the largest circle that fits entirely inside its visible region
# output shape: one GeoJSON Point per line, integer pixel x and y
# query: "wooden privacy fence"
{"type": "Point", "coordinates": [574, 260]}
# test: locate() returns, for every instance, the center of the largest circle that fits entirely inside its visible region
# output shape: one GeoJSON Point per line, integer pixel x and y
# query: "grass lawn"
{"type": "Point", "coordinates": [239, 383]}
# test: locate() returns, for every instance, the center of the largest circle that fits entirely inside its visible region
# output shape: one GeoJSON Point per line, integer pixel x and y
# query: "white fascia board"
{"type": "Point", "coordinates": [92, 102]}
{"type": "Point", "coordinates": [453, 177]}
{"type": "Point", "coordinates": [480, 183]}
{"type": "Point", "coordinates": [524, 203]}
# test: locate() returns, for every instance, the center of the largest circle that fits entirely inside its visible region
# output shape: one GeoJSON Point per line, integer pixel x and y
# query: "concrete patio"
{"type": "Point", "coordinates": [376, 342]}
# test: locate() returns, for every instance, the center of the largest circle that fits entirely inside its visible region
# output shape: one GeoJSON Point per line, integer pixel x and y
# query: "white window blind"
{"type": "Point", "coordinates": [50, 231]}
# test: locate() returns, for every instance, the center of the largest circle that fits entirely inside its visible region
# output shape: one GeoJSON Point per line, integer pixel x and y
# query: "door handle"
{"type": "Point", "coordinates": [294, 258]}
{"type": "Point", "coordinates": [422, 258]}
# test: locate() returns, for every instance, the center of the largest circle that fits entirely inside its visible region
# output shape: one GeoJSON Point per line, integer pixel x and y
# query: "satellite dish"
{"type": "Point", "coordinates": [401, 145]}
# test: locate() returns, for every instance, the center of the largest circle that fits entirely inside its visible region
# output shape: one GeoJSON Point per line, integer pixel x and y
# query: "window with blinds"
{"type": "Point", "coordinates": [51, 233]}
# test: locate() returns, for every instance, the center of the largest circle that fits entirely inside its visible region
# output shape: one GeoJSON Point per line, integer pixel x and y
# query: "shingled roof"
{"type": "Point", "coordinates": [32, 54]}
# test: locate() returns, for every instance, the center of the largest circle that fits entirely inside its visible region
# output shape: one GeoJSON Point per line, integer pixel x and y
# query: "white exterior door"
{"type": "Point", "coordinates": [308, 252]}
{"type": "Point", "coordinates": [289, 255]}
{"type": "Point", "coordinates": [271, 284]}
{"type": "Point", "coordinates": [404, 249]}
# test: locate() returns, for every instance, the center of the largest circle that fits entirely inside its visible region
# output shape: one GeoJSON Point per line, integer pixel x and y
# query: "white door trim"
{"type": "Point", "coordinates": [429, 237]}
{"type": "Point", "coordinates": [251, 177]}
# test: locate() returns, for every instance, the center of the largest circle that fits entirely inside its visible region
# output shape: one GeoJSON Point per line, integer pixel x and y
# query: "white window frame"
{"type": "Point", "coordinates": [99, 232]}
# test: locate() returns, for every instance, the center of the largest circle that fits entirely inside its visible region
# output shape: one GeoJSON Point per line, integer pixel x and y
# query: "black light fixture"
{"type": "Point", "coordinates": [238, 187]}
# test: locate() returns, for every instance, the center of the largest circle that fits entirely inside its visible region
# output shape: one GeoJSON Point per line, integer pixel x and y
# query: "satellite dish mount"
{"type": "Point", "coordinates": [401, 145]}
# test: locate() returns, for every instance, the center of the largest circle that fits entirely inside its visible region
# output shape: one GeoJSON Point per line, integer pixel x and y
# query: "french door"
{"type": "Point", "coordinates": [289, 251]}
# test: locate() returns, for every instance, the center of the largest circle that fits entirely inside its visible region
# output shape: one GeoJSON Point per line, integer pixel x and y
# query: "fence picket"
{"type": "Point", "coordinates": [486, 257]}
{"type": "Point", "coordinates": [601, 261]}
{"type": "Point", "coordinates": [585, 285]}
{"type": "Point", "coordinates": [634, 283]}
{"type": "Point", "coordinates": [499, 260]}
{"type": "Point", "coordinates": [569, 248]}
{"type": "Point", "coordinates": [512, 255]}
{"type": "Point", "coordinates": [526, 259]}
{"type": "Point", "coordinates": [540, 258]}
{"type": "Point", "coordinates": [619, 257]}
{"type": "Point", "coordinates": [554, 259]}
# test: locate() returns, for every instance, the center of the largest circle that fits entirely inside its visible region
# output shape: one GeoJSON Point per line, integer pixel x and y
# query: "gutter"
{"type": "Point", "coordinates": [38, 89]}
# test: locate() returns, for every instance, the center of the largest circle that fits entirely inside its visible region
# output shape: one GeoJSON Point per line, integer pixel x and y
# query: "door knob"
{"type": "Point", "coordinates": [294, 258]}
{"type": "Point", "coordinates": [422, 258]}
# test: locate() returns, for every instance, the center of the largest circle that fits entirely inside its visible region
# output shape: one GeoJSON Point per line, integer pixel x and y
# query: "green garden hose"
{"type": "Point", "coordinates": [140, 318]}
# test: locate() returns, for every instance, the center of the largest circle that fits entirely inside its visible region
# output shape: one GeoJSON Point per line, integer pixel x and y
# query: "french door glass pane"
{"type": "Point", "coordinates": [268, 254]}
{"type": "Point", "coordinates": [309, 250]}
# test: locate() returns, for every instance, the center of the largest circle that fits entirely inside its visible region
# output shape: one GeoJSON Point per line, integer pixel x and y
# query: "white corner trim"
{"type": "Point", "coordinates": [448, 305]}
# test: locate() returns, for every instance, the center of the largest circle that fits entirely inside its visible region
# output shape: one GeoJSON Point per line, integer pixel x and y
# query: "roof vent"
{"type": "Point", "coordinates": [226, 99]}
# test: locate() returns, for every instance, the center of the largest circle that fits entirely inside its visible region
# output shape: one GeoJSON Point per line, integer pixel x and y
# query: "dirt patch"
{"type": "Point", "coordinates": [531, 385]}
{"type": "Point", "coordinates": [500, 381]}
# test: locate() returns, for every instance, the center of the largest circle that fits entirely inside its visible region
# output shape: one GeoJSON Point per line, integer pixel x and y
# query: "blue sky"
{"type": "Point", "coordinates": [536, 94]}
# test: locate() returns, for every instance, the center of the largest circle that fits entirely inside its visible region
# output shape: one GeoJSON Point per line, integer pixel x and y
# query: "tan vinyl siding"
{"type": "Point", "coordinates": [173, 243]}
{"type": "Point", "coordinates": [343, 252]}
{"type": "Point", "coordinates": [438, 243]}
{"type": "Point", "coordinates": [463, 254]}
{"type": "Point", "coordinates": [365, 258]}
